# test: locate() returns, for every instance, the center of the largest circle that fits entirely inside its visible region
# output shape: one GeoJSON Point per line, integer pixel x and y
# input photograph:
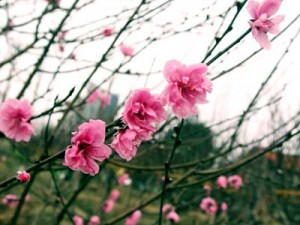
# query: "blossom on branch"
{"type": "Point", "coordinates": [95, 220]}
{"type": "Point", "coordinates": [23, 176]}
{"type": "Point", "coordinates": [87, 146]}
{"type": "Point", "coordinates": [222, 182]}
{"type": "Point", "coordinates": [124, 179]}
{"type": "Point", "coordinates": [262, 23]}
{"type": "Point", "coordinates": [187, 86]}
{"type": "Point", "coordinates": [14, 120]}
{"type": "Point", "coordinates": [78, 220]}
{"type": "Point", "coordinates": [209, 205]}
{"type": "Point", "coordinates": [173, 216]}
{"type": "Point", "coordinates": [126, 50]}
{"type": "Point", "coordinates": [134, 218]}
{"type": "Point", "coordinates": [108, 31]}
{"type": "Point", "coordinates": [142, 110]}
{"type": "Point", "coordinates": [235, 181]}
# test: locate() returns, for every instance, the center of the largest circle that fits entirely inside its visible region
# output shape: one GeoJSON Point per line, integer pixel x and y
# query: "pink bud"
{"type": "Point", "coordinates": [222, 182]}
{"type": "Point", "coordinates": [108, 31]}
{"type": "Point", "coordinates": [126, 50]}
{"type": "Point", "coordinates": [124, 180]}
{"type": "Point", "coordinates": [114, 195]}
{"type": "Point", "coordinates": [108, 206]}
{"type": "Point", "coordinates": [224, 206]}
{"type": "Point", "coordinates": [95, 220]}
{"type": "Point", "coordinates": [23, 176]}
{"type": "Point", "coordinates": [78, 220]}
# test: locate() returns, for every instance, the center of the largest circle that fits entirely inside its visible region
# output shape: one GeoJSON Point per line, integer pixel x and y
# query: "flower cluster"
{"type": "Point", "coordinates": [234, 181]}
{"type": "Point", "coordinates": [142, 110]}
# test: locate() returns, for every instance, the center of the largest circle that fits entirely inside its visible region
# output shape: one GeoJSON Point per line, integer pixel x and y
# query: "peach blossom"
{"type": "Point", "coordinates": [95, 220]}
{"type": "Point", "coordinates": [108, 206]}
{"type": "Point", "coordinates": [23, 176]}
{"type": "Point", "coordinates": [134, 218]}
{"type": "Point", "coordinates": [173, 216]}
{"type": "Point", "coordinates": [107, 31]}
{"type": "Point", "coordinates": [10, 200]}
{"type": "Point", "coordinates": [124, 179]}
{"type": "Point", "coordinates": [87, 146]}
{"type": "Point", "coordinates": [235, 181]}
{"type": "Point", "coordinates": [126, 50]}
{"type": "Point", "coordinates": [224, 206]}
{"type": "Point", "coordinates": [262, 23]}
{"type": "Point", "coordinates": [187, 86]}
{"type": "Point", "coordinates": [222, 182]}
{"type": "Point", "coordinates": [209, 205]}
{"type": "Point", "coordinates": [142, 110]}
{"type": "Point", "coordinates": [15, 120]}
{"type": "Point", "coordinates": [78, 220]}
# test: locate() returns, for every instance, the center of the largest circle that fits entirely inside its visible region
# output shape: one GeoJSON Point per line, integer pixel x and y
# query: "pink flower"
{"type": "Point", "coordinates": [235, 181]}
{"type": "Point", "coordinates": [126, 50]}
{"type": "Point", "coordinates": [173, 216]}
{"type": "Point", "coordinates": [95, 220]}
{"type": "Point", "coordinates": [93, 96]}
{"type": "Point", "coordinates": [142, 110]}
{"type": "Point", "coordinates": [23, 176]}
{"type": "Point", "coordinates": [134, 218]}
{"type": "Point", "coordinates": [114, 195]}
{"type": "Point", "coordinates": [125, 143]}
{"type": "Point", "coordinates": [262, 23]}
{"type": "Point", "coordinates": [224, 206]}
{"type": "Point", "coordinates": [105, 99]}
{"type": "Point", "coordinates": [87, 146]}
{"type": "Point", "coordinates": [78, 220]}
{"type": "Point", "coordinates": [207, 188]}
{"type": "Point", "coordinates": [222, 182]}
{"type": "Point", "coordinates": [108, 206]}
{"type": "Point", "coordinates": [10, 200]}
{"type": "Point", "coordinates": [124, 179]}
{"type": "Point", "coordinates": [14, 120]}
{"type": "Point", "coordinates": [187, 86]}
{"type": "Point", "coordinates": [167, 208]}
{"type": "Point", "coordinates": [209, 205]}
{"type": "Point", "coordinates": [108, 31]}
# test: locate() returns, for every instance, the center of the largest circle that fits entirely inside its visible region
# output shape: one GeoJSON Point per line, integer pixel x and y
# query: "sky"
{"type": "Point", "coordinates": [231, 93]}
